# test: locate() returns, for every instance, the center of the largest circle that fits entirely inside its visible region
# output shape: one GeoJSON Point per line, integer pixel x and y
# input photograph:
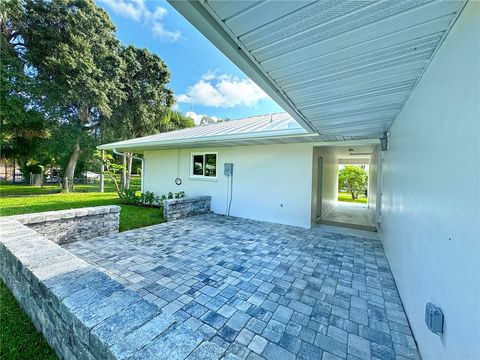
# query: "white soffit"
{"type": "Point", "coordinates": [341, 68]}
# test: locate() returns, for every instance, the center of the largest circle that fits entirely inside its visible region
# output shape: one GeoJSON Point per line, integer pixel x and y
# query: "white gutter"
{"type": "Point", "coordinates": [134, 157]}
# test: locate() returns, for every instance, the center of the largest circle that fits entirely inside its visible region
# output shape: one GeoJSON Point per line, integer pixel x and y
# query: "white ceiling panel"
{"type": "Point", "coordinates": [341, 68]}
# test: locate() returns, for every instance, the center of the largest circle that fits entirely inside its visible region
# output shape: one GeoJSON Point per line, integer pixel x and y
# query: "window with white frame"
{"type": "Point", "coordinates": [203, 165]}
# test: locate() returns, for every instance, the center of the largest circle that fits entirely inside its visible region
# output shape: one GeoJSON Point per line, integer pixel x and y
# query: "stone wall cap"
{"type": "Point", "coordinates": [189, 199]}
{"type": "Point", "coordinates": [34, 218]}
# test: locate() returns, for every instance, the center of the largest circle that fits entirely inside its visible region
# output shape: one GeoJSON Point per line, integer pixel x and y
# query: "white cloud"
{"type": "Point", "coordinates": [138, 11]}
{"type": "Point", "coordinates": [198, 117]}
{"type": "Point", "coordinates": [223, 91]}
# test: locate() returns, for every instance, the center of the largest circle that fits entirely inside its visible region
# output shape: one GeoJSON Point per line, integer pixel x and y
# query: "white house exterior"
{"type": "Point", "coordinates": [411, 69]}
{"type": "Point", "coordinates": [274, 167]}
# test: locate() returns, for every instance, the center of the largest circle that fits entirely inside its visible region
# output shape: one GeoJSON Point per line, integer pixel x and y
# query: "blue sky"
{"type": "Point", "coordinates": [204, 80]}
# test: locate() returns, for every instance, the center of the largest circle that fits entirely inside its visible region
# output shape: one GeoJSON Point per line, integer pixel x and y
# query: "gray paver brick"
{"type": "Point", "coordinates": [309, 352]}
{"type": "Point", "coordinates": [257, 344]}
{"type": "Point", "coordinates": [238, 320]}
{"type": "Point", "coordinates": [359, 347]}
{"type": "Point", "coordinates": [275, 352]}
{"type": "Point", "coordinates": [331, 345]}
{"type": "Point", "coordinates": [176, 344]}
{"type": "Point", "coordinates": [206, 351]}
{"type": "Point", "coordinates": [282, 314]}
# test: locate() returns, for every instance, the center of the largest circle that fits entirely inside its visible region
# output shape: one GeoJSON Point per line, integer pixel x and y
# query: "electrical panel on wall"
{"type": "Point", "coordinates": [228, 169]}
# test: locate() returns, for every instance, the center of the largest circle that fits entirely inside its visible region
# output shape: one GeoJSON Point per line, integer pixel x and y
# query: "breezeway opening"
{"type": "Point", "coordinates": [328, 192]}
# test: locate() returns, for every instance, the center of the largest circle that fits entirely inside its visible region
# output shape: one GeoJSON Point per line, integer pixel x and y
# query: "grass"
{"type": "Point", "coordinates": [347, 197]}
{"type": "Point", "coordinates": [131, 217]}
{"type": "Point", "coordinates": [21, 189]}
{"type": "Point", "coordinates": [18, 337]}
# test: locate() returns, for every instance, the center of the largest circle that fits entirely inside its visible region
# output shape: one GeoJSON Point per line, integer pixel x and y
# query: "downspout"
{"type": "Point", "coordinates": [134, 157]}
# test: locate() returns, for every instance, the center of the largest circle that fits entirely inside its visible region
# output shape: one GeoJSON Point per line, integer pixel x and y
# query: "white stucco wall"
{"type": "Point", "coordinates": [431, 200]}
{"type": "Point", "coordinates": [373, 182]}
{"type": "Point", "coordinates": [271, 182]}
{"type": "Point", "coordinates": [329, 179]}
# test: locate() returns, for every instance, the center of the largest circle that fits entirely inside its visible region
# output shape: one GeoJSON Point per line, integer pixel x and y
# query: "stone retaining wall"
{"type": "Point", "coordinates": [72, 225]}
{"type": "Point", "coordinates": [81, 311]}
{"type": "Point", "coordinates": [174, 209]}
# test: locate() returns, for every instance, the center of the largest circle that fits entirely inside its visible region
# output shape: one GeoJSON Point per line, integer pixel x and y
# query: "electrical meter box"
{"type": "Point", "coordinates": [228, 169]}
{"type": "Point", "coordinates": [434, 318]}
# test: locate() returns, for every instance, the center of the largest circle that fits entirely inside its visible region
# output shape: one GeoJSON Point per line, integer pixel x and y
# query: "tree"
{"type": "Point", "coordinates": [23, 124]}
{"type": "Point", "coordinates": [71, 49]}
{"type": "Point", "coordinates": [207, 120]}
{"type": "Point", "coordinates": [354, 179]}
{"type": "Point", "coordinates": [146, 107]}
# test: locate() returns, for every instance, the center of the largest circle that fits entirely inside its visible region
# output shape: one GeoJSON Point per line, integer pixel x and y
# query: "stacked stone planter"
{"type": "Point", "coordinates": [174, 209]}
{"type": "Point", "coordinates": [73, 225]}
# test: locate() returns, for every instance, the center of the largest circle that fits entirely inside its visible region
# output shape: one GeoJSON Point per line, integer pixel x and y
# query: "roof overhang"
{"type": "Point", "coordinates": [276, 137]}
{"type": "Point", "coordinates": [341, 69]}
{"type": "Point", "coordinates": [222, 141]}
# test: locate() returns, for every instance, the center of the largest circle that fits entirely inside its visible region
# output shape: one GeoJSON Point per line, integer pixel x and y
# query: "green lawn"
{"type": "Point", "coordinates": [19, 189]}
{"type": "Point", "coordinates": [131, 217]}
{"type": "Point", "coordinates": [347, 197]}
{"type": "Point", "coordinates": [18, 337]}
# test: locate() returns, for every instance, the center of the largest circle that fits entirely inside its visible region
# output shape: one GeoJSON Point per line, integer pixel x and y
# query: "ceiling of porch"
{"type": "Point", "coordinates": [343, 69]}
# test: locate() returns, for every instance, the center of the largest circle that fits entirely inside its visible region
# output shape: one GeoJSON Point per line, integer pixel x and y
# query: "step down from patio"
{"type": "Point", "coordinates": [348, 225]}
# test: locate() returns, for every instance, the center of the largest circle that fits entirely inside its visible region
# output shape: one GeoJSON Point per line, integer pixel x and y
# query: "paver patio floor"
{"type": "Point", "coordinates": [263, 290]}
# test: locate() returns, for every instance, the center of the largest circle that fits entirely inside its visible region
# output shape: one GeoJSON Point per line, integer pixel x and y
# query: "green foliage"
{"type": "Point", "coordinates": [146, 96]}
{"type": "Point", "coordinates": [180, 194]}
{"type": "Point", "coordinates": [19, 338]}
{"type": "Point", "coordinates": [146, 106]}
{"type": "Point", "coordinates": [170, 195]}
{"type": "Point", "coordinates": [129, 196]}
{"type": "Point", "coordinates": [354, 179]}
{"type": "Point", "coordinates": [34, 168]}
{"type": "Point", "coordinates": [74, 50]}
{"type": "Point", "coordinates": [23, 124]}
{"type": "Point", "coordinates": [149, 198]}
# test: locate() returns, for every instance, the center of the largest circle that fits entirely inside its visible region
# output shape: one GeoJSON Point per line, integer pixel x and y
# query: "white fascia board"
{"type": "Point", "coordinates": [198, 15]}
{"type": "Point", "coordinates": [276, 134]}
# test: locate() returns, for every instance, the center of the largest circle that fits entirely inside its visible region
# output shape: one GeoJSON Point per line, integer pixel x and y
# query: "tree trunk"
{"type": "Point", "coordinates": [70, 170]}
{"type": "Point", "coordinates": [354, 197]}
{"type": "Point", "coordinates": [102, 173]}
{"type": "Point", "coordinates": [129, 170]}
{"type": "Point", "coordinates": [124, 171]}
{"type": "Point", "coordinates": [13, 173]}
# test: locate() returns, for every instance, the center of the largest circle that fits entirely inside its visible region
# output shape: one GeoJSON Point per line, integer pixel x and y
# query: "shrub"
{"type": "Point", "coordinates": [180, 194]}
{"type": "Point", "coordinates": [149, 198]}
{"type": "Point", "coordinates": [130, 196]}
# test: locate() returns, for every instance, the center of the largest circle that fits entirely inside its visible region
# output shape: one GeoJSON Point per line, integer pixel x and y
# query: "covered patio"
{"type": "Point", "coordinates": [263, 290]}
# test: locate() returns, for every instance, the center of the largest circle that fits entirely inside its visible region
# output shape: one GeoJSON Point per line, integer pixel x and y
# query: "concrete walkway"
{"type": "Point", "coordinates": [262, 290]}
{"type": "Point", "coordinates": [353, 215]}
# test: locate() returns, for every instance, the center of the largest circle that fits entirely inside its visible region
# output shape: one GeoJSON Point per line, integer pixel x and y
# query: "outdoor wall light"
{"type": "Point", "coordinates": [384, 141]}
